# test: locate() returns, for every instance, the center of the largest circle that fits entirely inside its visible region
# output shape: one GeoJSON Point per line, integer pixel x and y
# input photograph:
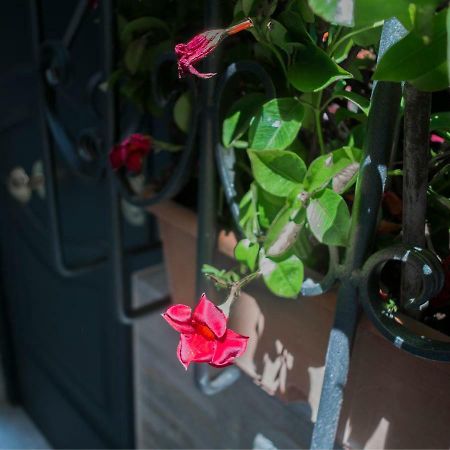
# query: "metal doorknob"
{"type": "Point", "coordinates": [21, 185]}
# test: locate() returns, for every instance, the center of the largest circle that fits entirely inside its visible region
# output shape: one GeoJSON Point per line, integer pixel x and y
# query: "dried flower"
{"type": "Point", "coordinates": [200, 46]}
{"type": "Point", "coordinates": [204, 336]}
{"type": "Point", "coordinates": [130, 152]}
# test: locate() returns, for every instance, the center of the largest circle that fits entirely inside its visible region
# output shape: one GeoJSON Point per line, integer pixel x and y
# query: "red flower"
{"type": "Point", "coordinates": [204, 336]}
{"type": "Point", "coordinates": [201, 46]}
{"type": "Point", "coordinates": [130, 152]}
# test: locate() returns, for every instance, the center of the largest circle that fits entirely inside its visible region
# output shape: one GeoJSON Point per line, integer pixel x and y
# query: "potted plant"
{"type": "Point", "coordinates": [296, 161]}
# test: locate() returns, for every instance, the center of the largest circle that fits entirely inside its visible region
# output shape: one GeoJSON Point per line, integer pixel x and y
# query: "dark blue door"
{"type": "Point", "coordinates": [71, 353]}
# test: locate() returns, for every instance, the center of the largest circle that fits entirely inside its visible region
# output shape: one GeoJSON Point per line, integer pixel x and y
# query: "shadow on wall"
{"type": "Point", "coordinates": [392, 400]}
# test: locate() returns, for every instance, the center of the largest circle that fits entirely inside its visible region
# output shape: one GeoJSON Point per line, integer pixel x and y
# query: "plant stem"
{"type": "Point", "coordinates": [354, 33]}
{"type": "Point", "coordinates": [236, 290]}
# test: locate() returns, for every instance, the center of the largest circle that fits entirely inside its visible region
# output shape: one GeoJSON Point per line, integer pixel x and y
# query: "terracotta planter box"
{"type": "Point", "coordinates": [393, 399]}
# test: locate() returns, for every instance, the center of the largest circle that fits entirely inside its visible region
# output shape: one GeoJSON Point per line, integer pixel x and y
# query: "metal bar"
{"type": "Point", "coordinates": [380, 134]}
{"type": "Point", "coordinates": [416, 156]}
{"type": "Point", "coordinates": [75, 22]}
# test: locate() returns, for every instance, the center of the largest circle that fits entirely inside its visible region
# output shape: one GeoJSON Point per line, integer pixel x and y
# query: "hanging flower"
{"type": "Point", "coordinates": [130, 152]}
{"type": "Point", "coordinates": [200, 46]}
{"type": "Point", "coordinates": [204, 336]}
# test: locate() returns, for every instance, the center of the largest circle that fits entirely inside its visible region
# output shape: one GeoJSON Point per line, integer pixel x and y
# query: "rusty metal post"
{"type": "Point", "coordinates": [416, 155]}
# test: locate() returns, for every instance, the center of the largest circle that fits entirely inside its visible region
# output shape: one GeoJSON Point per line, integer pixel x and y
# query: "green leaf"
{"type": "Point", "coordinates": [277, 171]}
{"type": "Point", "coordinates": [283, 277]}
{"type": "Point", "coordinates": [325, 168]}
{"type": "Point", "coordinates": [268, 207]}
{"type": "Point", "coordinates": [329, 218]}
{"type": "Point", "coordinates": [314, 70]}
{"type": "Point", "coordinates": [284, 231]}
{"type": "Point", "coordinates": [362, 102]}
{"type": "Point", "coordinates": [340, 53]}
{"type": "Point", "coordinates": [247, 6]}
{"type": "Point", "coordinates": [339, 12]}
{"type": "Point", "coordinates": [248, 217]}
{"type": "Point", "coordinates": [435, 80]}
{"type": "Point", "coordinates": [303, 246]}
{"type": "Point", "coordinates": [415, 55]}
{"type": "Point", "coordinates": [305, 11]}
{"type": "Point", "coordinates": [367, 12]}
{"type": "Point", "coordinates": [143, 25]}
{"type": "Point", "coordinates": [295, 26]}
{"type": "Point", "coordinates": [276, 125]}
{"type": "Point", "coordinates": [246, 252]}
{"type": "Point", "coordinates": [134, 53]}
{"type": "Point", "coordinates": [369, 36]}
{"type": "Point", "coordinates": [222, 277]}
{"type": "Point", "coordinates": [439, 201]}
{"type": "Point", "coordinates": [182, 111]}
{"type": "Point", "coordinates": [239, 116]}
{"type": "Point", "coordinates": [278, 35]}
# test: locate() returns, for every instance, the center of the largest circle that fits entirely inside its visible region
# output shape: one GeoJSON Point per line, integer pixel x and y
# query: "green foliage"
{"type": "Point", "coordinates": [222, 278]}
{"type": "Point", "coordinates": [329, 218]}
{"type": "Point", "coordinates": [246, 252]}
{"type": "Point", "coordinates": [314, 70]}
{"type": "Point", "coordinates": [328, 168]}
{"type": "Point", "coordinates": [335, 11]}
{"type": "Point", "coordinates": [322, 59]}
{"type": "Point", "coordinates": [284, 277]}
{"type": "Point", "coordinates": [276, 125]}
{"type": "Point", "coordinates": [239, 116]}
{"type": "Point", "coordinates": [418, 56]}
{"type": "Point", "coordinates": [182, 112]}
{"type": "Point", "coordinates": [248, 214]}
{"type": "Point", "coordinates": [278, 172]}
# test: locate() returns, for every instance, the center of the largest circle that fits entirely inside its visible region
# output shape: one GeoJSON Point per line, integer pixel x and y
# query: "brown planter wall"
{"type": "Point", "coordinates": [392, 400]}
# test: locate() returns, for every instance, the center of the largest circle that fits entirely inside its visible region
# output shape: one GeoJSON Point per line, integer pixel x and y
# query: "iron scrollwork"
{"type": "Point", "coordinates": [52, 59]}
{"type": "Point", "coordinates": [179, 176]}
{"type": "Point", "coordinates": [428, 268]}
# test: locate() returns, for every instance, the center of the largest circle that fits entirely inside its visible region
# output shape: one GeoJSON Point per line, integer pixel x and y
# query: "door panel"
{"type": "Point", "coordinates": [73, 355]}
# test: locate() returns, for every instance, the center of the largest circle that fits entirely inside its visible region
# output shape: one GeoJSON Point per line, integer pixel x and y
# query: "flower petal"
{"type": "Point", "coordinates": [207, 313]}
{"type": "Point", "coordinates": [115, 158]}
{"type": "Point", "coordinates": [134, 162]}
{"type": "Point", "coordinates": [195, 72]}
{"type": "Point", "coordinates": [179, 318]}
{"type": "Point", "coordinates": [229, 348]}
{"type": "Point", "coordinates": [195, 348]}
